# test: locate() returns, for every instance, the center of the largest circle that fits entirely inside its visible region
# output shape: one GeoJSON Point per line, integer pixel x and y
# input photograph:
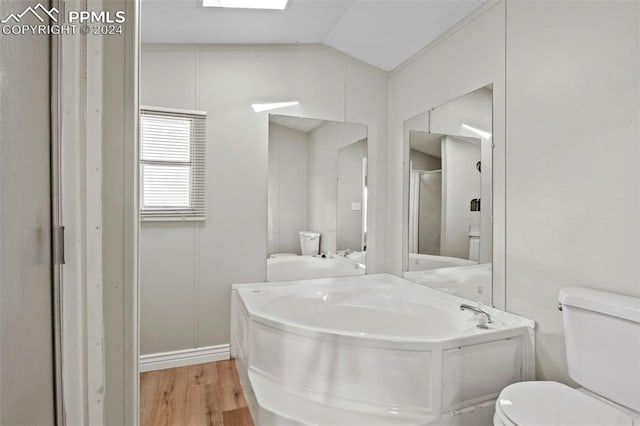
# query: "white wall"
{"type": "Point", "coordinates": [324, 144]}
{"type": "Point", "coordinates": [288, 188]}
{"type": "Point", "coordinates": [571, 148]}
{"type": "Point", "coordinates": [350, 189]}
{"type": "Point", "coordinates": [460, 184]}
{"type": "Point", "coordinates": [191, 288]}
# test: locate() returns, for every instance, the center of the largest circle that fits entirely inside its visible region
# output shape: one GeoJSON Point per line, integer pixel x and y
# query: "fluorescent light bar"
{"type": "Point", "coordinates": [246, 4]}
{"type": "Point", "coordinates": [481, 133]}
{"type": "Point", "coordinates": [276, 105]}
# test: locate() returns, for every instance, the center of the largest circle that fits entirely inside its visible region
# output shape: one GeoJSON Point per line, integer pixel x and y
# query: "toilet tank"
{"type": "Point", "coordinates": [309, 243]}
{"type": "Point", "coordinates": [602, 337]}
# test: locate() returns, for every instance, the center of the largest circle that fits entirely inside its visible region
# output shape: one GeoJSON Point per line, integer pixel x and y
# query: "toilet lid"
{"type": "Point", "coordinates": [552, 403]}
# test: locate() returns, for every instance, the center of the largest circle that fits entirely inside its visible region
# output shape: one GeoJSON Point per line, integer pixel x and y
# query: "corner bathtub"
{"type": "Point", "coordinates": [371, 350]}
{"type": "Point", "coordinates": [307, 267]}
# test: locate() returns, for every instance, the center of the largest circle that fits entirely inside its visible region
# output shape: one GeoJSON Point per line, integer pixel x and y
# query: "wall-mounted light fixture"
{"type": "Point", "coordinates": [274, 105]}
{"type": "Point", "coordinates": [247, 4]}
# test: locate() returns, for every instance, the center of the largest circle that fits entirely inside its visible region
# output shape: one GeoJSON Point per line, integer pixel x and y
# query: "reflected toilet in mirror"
{"type": "Point", "coordinates": [449, 196]}
{"type": "Point", "coordinates": [317, 198]}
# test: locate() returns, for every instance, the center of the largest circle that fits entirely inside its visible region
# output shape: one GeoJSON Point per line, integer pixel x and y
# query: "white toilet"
{"type": "Point", "coordinates": [309, 243]}
{"type": "Point", "coordinates": [602, 336]}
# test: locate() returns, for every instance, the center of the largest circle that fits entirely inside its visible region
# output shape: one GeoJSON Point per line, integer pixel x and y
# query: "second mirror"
{"type": "Point", "coordinates": [317, 198]}
{"type": "Point", "coordinates": [449, 185]}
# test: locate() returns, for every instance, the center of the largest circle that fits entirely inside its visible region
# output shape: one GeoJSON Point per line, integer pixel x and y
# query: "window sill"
{"type": "Point", "coordinates": [172, 219]}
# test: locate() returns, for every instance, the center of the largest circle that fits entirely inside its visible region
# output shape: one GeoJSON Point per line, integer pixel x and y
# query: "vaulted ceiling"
{"type": "Point", "coordinates": [383, 33]}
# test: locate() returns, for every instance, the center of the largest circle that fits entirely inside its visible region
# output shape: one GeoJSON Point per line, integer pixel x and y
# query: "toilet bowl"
{"type": "Point", "coordinates": [552, 403]}
{"type": "Point", "coordinates": [602, 340]}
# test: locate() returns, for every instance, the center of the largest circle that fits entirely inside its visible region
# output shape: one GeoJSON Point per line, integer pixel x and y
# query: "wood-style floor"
{"type": "Point", "coordinates": [205, 394]}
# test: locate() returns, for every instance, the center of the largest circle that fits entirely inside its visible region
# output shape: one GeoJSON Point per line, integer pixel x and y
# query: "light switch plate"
{"type": "Point", "coordinates": [355, 206]}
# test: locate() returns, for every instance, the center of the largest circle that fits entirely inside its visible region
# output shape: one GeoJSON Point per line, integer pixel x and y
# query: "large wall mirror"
{"type": "Point", "coordinates": [449, 185]}
{"type": "Point", "coordinates": [317, 198]}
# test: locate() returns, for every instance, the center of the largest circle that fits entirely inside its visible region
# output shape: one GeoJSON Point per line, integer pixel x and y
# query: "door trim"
{"type": "Point", "coordinates": [56, 221]}
{"type": "Point", "coordinates": [77, 181]}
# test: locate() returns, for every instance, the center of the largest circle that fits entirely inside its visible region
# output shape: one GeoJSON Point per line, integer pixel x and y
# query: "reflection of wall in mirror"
{"type": "Point", "coordinates": [430, 216]}
{"type": "Point", "coordinates": [486, 206]}
{"type": "Point", "coordinates": [303, 194]}
{"type": "Point", "coordinates": [474, 109]}
{"type": "Point", "coordinates": [425, 201]}
{"type": "Point", "coordinates": [324, 144]}
{"type": "Point", "coordinates": [422, 161]}
{"type": "Point", "coordinates": [350, 191]}
{"type": "Point", "coordinates": [288, 187]}
{"type": "Point", "coordinates": [460, 184]}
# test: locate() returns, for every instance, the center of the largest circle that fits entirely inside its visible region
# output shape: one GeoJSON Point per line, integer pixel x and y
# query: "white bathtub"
{"type": "Point", "coordinates": [471, 282]}
{"type": "Point", "coordinates": [424, 262]}
{"type": "Point", "coordinates": [371, 350]}
{"type": "Point", "coordinates": [288, 268]}
{"type": "Point", "coordinates": [358, 256]}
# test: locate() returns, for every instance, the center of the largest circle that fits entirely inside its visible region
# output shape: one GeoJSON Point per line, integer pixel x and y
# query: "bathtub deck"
{"type": "Point", "coordinates": [206, 394]}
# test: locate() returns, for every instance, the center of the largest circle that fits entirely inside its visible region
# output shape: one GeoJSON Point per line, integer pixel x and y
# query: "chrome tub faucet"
{"type": "Point", "coordinates": [481, 323]}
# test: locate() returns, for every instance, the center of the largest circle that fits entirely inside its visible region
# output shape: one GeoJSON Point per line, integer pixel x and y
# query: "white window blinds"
{"type": "Point", "coordinates": [172, 164]}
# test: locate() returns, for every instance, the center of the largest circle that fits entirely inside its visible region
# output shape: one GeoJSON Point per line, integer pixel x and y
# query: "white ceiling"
{"type": "Point", "coordinates": [383, 33]}
{"type": "Point", "coordinates": [296, 123]}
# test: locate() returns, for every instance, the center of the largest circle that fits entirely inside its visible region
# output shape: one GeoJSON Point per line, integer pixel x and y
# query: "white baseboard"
{"type": "Point", "coordinates": [163, 360]}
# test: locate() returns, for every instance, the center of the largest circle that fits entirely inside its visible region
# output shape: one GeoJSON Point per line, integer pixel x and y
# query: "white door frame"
{"type": "Point", "coordinates": [78, 65]}
{"type": "Point", "coordinates": [79, 109]}
{"type": "Point", "coordinates": [121, 222]}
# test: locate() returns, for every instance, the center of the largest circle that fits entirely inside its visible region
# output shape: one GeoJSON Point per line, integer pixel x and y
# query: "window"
{"type": "Point", "coordinates": [172, 164]}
